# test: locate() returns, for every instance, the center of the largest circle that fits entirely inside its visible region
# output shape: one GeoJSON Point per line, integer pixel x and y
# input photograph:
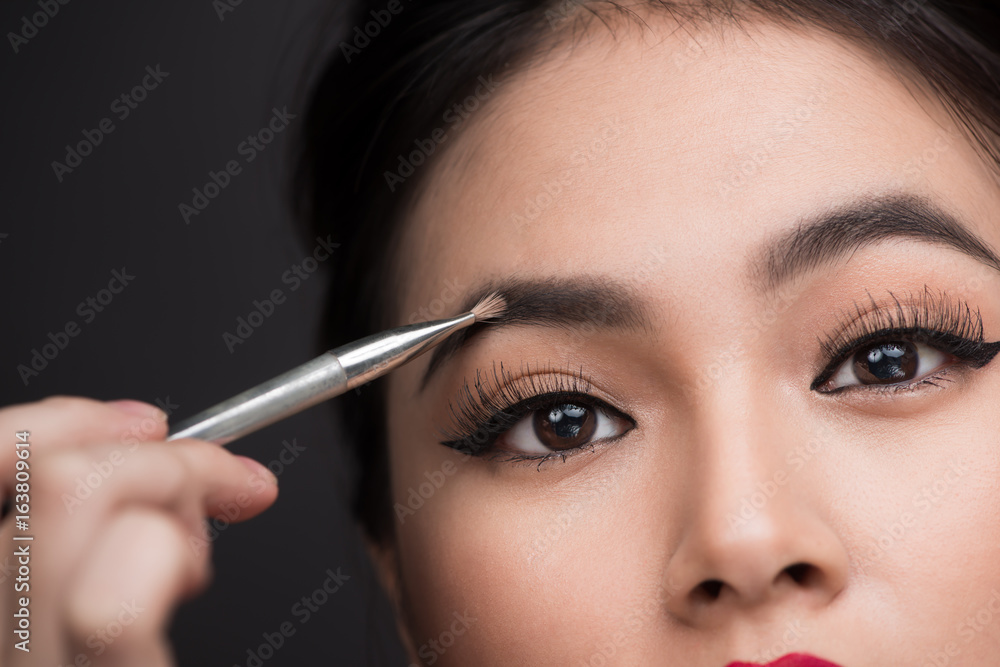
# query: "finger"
{"type": "Point", "coordinates": [78, 489]}
{"type": "Point", "coordinates": [19, 583]}
{"type": "Point", "coordinates": [75, 489]}
{"type": "Point", "coordinates": [66, 422]}
{"type": "Point", "coordinates": [227, 478]}
{"type": "Point", "coordinates": [129, 585]}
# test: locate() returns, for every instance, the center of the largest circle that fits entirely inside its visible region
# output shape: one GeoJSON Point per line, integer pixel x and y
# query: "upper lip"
{"type": "Point", "coordinates": [790, 660]}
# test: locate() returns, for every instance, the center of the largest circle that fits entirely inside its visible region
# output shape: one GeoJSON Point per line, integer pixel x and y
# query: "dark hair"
{"type": "Point", "coordinates": [402, 64]}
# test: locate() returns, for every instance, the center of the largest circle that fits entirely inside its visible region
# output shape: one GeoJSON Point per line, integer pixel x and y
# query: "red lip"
{"type": "Point", "coordinates": [790, 660]}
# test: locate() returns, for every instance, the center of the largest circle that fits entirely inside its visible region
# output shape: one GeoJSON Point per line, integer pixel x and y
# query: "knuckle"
{"type": "Point", "coordinates": [57, 472]}
{"type": "Point", "coordinates": [172, 472]}
{"type": "Point", "coordinates": [136, 611]}
{"type": "Point", "coordinates": [72, 406]}
{"type": "Point", "coordinates": [205, 456]}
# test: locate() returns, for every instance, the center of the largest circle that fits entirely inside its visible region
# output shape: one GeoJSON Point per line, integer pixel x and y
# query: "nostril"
{"type": "Point", "coordinates": [709, 589]}
{"type": "Point", "coordinates": [801, 573]}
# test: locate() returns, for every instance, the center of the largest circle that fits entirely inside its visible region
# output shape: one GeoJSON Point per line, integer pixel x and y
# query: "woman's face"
{"type": "Point", "coordinates": [702, 233]}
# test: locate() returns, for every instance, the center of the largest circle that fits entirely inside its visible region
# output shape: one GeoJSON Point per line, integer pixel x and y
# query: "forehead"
{"type": "Point", "coordinates": [678, 148]}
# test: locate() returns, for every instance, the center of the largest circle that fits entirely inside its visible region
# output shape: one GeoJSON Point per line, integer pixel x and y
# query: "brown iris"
{"type": "Point", "coordinates": [564, 426]}
{"type": "Point", "coordinates": [886, 363]}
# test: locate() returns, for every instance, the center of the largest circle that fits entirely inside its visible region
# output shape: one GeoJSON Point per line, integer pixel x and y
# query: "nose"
{"type": "Point", "coordinates": [757, 532]}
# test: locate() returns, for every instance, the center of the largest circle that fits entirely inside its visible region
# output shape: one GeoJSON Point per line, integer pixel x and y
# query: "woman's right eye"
{"type": "Point", "coordinates": [561, 425]}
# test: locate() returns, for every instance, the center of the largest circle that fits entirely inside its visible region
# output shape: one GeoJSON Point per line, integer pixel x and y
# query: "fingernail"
{"type": "Point", "coordinates": [259, 469]}
{"type": "Point", "coordinates": [137, 408]}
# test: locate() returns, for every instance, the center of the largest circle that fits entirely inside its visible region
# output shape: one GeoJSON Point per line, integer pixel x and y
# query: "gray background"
{"type": "Point", "coordinates": [161, 337]}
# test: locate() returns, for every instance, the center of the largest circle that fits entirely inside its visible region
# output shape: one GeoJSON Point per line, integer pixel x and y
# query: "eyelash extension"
{"type": "Point", "coordinates": [502, 399]}
{"type": "Point", "coordinates": [937, 319]}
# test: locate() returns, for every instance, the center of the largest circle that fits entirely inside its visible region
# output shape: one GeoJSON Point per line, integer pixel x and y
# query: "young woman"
{"type": "Point", "coordinates": [743, 402]}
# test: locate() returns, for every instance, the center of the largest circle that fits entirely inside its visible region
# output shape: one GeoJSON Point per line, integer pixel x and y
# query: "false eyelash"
{"type": "Point", "coordinates": [481, 419]}
{"type": "Point", "coordinates": [933, 318]}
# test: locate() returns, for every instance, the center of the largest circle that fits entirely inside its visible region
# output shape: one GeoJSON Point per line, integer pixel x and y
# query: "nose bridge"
{"type": "Point", "coordinates": [740, 443]}
{"type": "Point", "coordinates": [751, 533]}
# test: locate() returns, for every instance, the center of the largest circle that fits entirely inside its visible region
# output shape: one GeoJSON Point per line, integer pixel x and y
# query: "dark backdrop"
{"type": "Point", "coordinates": [214, 78]}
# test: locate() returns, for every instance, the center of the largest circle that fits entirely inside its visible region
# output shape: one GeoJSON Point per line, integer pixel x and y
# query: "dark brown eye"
{"type": "Point", "coordinates": [886, 363]}
{"type": "Point", "coordinates": [564, 426]}
{"type": "Point", "coordinates": [561, 425]}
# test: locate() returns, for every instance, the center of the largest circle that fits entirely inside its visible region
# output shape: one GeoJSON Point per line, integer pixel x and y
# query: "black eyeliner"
{"type": "Point", "coordinates": [503, 398]}
{"type": "Point", "coordinates": [974, 354]}
{"type": "Point", "coordinates": [934, 318]}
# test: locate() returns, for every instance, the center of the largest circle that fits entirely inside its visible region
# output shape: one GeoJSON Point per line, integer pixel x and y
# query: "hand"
{"type": "Point", "coordinates": [117, 517]}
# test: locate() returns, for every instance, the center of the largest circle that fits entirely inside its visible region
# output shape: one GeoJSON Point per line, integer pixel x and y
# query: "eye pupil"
{"type": "Point", "coordinates": [886, 363]}
{"type": "Point", "coordinates": [565, 426]}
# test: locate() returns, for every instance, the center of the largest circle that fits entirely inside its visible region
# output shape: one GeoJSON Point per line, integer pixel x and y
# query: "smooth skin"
{"type": "Point", "coordinates": [601, 559]}
{"type": "Point", "coordinates": [108, 567]}
{"type": "Point", "coordinates": [871, 535]}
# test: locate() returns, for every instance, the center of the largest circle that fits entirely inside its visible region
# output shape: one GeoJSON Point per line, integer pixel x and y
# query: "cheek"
{"type": "Point", "coordinates": [549, 577]}
{"type": "Point", "coordinates": [926, 532]}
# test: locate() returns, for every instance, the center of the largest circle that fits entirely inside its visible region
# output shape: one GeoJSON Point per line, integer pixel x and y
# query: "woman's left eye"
{"type": "Point", "coordinates": [561, 426]}
{"type": "Point", "coordinates": [888, 363]}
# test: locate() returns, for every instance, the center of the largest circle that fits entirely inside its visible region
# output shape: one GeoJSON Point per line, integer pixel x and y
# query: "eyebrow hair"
{"type": "Point", "coordinates": [569, 302]}
{"type": "Point", "coordinates": [825, 238]}
{"type": "Point", "coordinates": [607, 304]}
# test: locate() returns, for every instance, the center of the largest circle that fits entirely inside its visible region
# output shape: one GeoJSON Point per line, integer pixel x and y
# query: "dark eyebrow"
{"type": "Point", "coordinates": [845, 230]}
{"type": "Point", "coordinates": [572, 303]}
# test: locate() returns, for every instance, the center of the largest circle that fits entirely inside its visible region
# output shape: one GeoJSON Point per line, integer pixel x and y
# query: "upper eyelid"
{"type": "Point", "coordinates": [541, 399]}
{"type": "Point", "coordinates": [521, 408]}
{"type": "Point", "coordinates": [979, 354]}
{"type": "Point", "coordinates": [926, 310]}
{"type": "Point", "coordinates": [502, 389]}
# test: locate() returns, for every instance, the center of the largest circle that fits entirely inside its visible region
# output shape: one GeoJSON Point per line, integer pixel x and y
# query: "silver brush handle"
{"type": "Point", "coordinates": [326, 376]}
{"type": "Point", "coordinates": [282, 396]}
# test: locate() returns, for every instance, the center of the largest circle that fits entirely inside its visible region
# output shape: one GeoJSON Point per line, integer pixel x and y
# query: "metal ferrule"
{"type": "Point", "coordinates": [366, 359]}
{"type": "Point", "coordinates": [315, 381]}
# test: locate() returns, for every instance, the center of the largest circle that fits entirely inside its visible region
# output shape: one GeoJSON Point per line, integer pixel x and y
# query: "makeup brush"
{"type": "Point", "coordinates": [326, 376]}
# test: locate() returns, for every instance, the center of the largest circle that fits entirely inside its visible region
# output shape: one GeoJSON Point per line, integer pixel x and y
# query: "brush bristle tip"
{"type": "Point", "coordinates": [489, 307]}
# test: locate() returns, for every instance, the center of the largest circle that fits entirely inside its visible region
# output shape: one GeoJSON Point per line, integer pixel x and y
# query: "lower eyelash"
{"type": "Point", "coordinates": [934, 318]}
{"type": "Point", "coordinates": [540, 459]}
{"type": "Point", "coordinates": [917, 385]}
